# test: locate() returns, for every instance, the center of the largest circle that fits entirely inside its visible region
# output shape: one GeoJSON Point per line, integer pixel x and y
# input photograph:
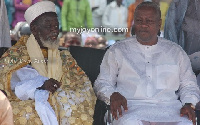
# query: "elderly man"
{"type": "Point", "coordinates": [149, 77]}
{"type": "Point", "coordinates": [34, 68]}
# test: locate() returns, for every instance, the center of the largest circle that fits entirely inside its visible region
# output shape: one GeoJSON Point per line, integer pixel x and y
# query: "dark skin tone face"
{"type": "Point", "coordinates": [72, 42]}
{"type": "Point", "coordinates": [47, 26]}
{"type": "Point", "coordinates": [147, 24]}
{"type": "Point", "coordinates": [92, 44]}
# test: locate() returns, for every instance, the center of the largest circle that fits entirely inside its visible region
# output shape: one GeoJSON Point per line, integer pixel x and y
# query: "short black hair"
{"type": "Point", "coordinates": [149, 4]}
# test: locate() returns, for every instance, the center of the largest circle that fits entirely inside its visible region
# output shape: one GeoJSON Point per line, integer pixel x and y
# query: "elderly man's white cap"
{"type": "Point", "coordinates": [38, 9]}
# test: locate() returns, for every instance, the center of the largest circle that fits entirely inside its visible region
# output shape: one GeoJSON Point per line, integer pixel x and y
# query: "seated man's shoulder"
{"type": "Point", "coordinates": [123, 43]}
{"type": "Point", "coordinates": [65, 54]}
{"type": "Point", "coordinates": [169, 44]}
{"type": "Point", "coordinates": [18, 48]}
{"type": "Point", "coordinates": [15, 55]}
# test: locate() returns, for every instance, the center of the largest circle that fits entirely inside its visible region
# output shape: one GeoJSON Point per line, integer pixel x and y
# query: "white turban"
{"type": "Point", "coordinates": [38, 9]}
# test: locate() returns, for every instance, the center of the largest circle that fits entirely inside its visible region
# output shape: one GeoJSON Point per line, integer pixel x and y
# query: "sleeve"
{"type": "Point", "coordinates": [170, 28]}
{"type": "Point", "coordinates": [5, 111]}
{"type": "Point", "coordinates": [19, 6]}
{"type": "Point", "coordinates": [64, 15]}
{"type": "Point", "coordinates": [105, 84]}
{"type": "Point", "coordinates": [89, 15]}
{"type": "Point", "coordinates": [188, 90]}
{"type": "Point", "coordinates": [28, 80]}
{"type": "Point", "coordinates": [44, 109]}
{"type": "Point", "coordinates": [101, 8]}
{"type": "Point", "coordinates": [173, 22]}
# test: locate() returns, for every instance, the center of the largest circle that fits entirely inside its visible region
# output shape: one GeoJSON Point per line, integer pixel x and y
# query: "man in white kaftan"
{"type": "Point", "coordinates": [98, 7]}
{"type": "Point", "coordinates": [115, 20]}
{"type": "Point", "coordinates": [150, 74]}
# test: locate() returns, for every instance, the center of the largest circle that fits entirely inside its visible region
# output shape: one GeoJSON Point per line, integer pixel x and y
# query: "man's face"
{"type": "Point", "coordinates": [91, 43]}
{"type": "Point", "coordinates": [147, 25]}
{"type": "Point", "coordinates": [72, 42]}
{"type": "Point", "coordinates": [48, 30]}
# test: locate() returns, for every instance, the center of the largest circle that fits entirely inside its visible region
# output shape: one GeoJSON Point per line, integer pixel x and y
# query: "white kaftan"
{"type": "Point", "coordinates": [151, 78]}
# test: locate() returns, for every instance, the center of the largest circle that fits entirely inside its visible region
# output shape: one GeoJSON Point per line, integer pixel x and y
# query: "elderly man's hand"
{"type": "Point", "coordinates": [116, 101]}
{"type": "Point", "coordinates": [189, 111]}
{"type": "Point", "coordinates": [51, 85]}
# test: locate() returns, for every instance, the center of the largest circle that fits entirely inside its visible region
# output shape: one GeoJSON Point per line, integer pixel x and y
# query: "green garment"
{"type": "Point", "coordinates": [76, 14]}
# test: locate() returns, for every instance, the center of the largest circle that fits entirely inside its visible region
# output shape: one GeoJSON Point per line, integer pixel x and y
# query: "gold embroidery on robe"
{"type": "Point", "coordinates": [78, 98]}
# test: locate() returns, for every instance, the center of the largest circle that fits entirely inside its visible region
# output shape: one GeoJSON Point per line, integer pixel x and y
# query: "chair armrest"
{"type": "Point", "coordinates": [99, 112]}
{"type": "Point", "coordinates": [197, 112]}
{"type": "Point", "coordinates": [108, 119]}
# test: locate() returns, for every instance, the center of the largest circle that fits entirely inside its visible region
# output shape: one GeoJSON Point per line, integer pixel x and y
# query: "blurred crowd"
{"type": "Point", "coordinates": [115, 15]}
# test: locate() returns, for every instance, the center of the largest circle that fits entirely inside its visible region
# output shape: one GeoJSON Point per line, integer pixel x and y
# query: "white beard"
{"type": "Point", "coordinates": [51, 44]}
